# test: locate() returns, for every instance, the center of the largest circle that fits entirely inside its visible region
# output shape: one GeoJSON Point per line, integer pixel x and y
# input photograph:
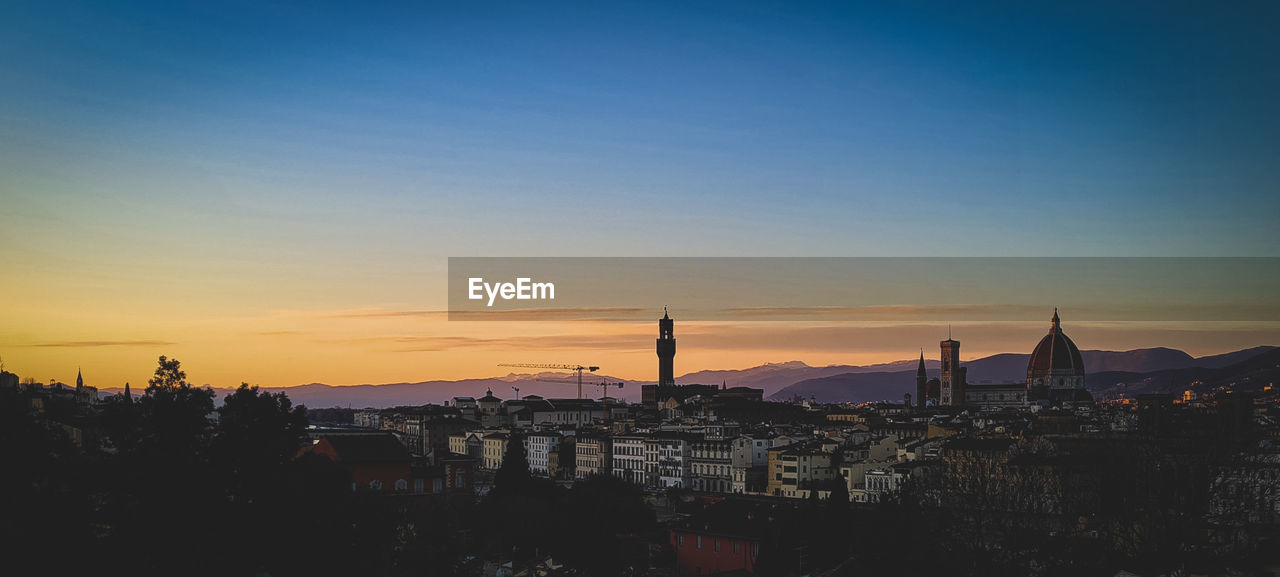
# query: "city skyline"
{"type": "Point", "coordinates": [628, 353]}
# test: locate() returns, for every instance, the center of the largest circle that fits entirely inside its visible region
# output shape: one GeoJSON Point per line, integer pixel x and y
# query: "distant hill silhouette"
{"type": "Point", "coordinates": [1250, 373]}
{"type": "Point", "coordinates": [781, 381]}
{"type": "Point", "coordinates": [1104, 370]}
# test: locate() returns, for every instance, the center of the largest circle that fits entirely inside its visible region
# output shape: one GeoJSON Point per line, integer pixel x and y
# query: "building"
{"type": "Point", "coordinates": [996, 397]}
{"type": "Point", "coordinates": [85, 394]}
{"type": "Point", "coordinates": [628, 458]}
{"type": "Point", "coordinates": [711, 464]}
{"type": "Point", "coordinates": [748, 461]}
{"type": "Point", "coordinates": [922, 383]}
{"type": "Point", "coordinates": [469, 444]}
{"type": "Point", "coordinates": [666, 349]}
{"type": "Point", "coordinates": [376, 462]}
{"type": "Point", "coordinates": [494, 449]}
{"type": "Point", "coordinates": [539, 446]}
{"type": "Point", "coordinates": [1055, 373]}
{"type": "Point", "coordinates": [490, 410]}
{"type": "Point", "coordinates": [467, 407]}
{"type": "Point", "coordinates": [953, 375]}
{"type": "Point", "coordinates": [1055, 377]}
{"type": "Point", "coordinates": [670, 453]}
{"type": "Point", "coordinates": [436, 431]}
{"type": "Point", "coordinates": [572, 412]}
{"type": "Point", "coordinates": [593, 456]}
{"type": "Point", "coordinates": [655, 397]}
{"type": "Point", "coordinates": [726, 537]}
{"type": "Point", "coordinates": [803, 467]}
{"type": "Point", "coordinates": [560, 460]}
{"type": "Point", "coordinates": [367, 418]}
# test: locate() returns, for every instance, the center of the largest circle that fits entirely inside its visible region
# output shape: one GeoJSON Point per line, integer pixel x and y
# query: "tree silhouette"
{"type": "Point", "coordinates": [258, 430]}
{"type": "Point", "coordinates": [174, 415]}
{"type": "Point", "coordinates": [599, 514]}
{"type": "Point", "coordinates": [513, 478]}
{"type": "Point", "coordinates": [169, 374]}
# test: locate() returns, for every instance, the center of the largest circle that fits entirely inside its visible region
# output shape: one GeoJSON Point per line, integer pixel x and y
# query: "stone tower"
{"type": "Point", "coordinates": [922, 383]}
{"type": "Point", "coordinates": [666, 349]}
{"type": "Point", "coordinates": [951, 393]}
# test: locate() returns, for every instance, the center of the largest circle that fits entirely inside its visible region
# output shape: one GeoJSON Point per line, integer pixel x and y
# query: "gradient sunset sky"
{"type": "Point", "coordinates": [269, 191]}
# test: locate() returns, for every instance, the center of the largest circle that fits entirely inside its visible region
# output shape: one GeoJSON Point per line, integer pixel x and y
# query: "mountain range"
{"type": "Point", "coordinates": [1140, 370]}
{"type": "Point", "coordinates": [1136, 371]}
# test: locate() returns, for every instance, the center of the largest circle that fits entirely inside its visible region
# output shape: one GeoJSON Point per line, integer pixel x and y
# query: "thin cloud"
{"type": "Point", "coordinates": [374, 314]}
{"type": "Point", "coordinates": [416, 344]}
{"type": "Point", "coordinates": [560, 313]}
{"type": "Point", "coordinates": [72, 344]}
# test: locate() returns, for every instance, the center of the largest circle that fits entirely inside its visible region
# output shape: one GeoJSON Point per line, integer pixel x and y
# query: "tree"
{"type": "Point", "coordinates": [839, 499]}
{"type": "Point", "coordinates": [170, 465]}
{"type": "Point", "coordinates": [595, 513]}
{"type": "Point", "coordinates": [513, 477]}
{"type": "Point", "coordinates": [175, 415]}
{"type": "Point", "coordinates": [169, 375]}
{"type": "Point", "coordinates": [258, 430]}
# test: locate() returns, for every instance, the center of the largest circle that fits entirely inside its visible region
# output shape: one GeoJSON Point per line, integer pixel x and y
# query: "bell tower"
{"type": "Point", "coordinates": [666, 349]}
{"type": "Point", "coordinates": [922, 382]}
{"type": "Point", "coordinates": [951, 393]}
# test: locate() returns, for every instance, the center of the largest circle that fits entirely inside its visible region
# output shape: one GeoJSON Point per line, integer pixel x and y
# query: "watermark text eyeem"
{"type": "Point", "coordinates": [523, 289]}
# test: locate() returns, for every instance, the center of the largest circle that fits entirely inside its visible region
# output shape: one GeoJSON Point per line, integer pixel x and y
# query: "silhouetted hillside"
{"type": "Point", "coordinates": [780, 381]}
{"type": "Point", "coordinates": [1109, 372]}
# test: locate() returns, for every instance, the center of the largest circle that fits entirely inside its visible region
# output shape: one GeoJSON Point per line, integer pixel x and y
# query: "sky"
{"type": "Point", "coordinates": [270, 191]}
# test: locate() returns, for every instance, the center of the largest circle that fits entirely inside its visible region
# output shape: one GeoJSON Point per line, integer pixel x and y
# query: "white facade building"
{"type": "Point", "coordinates": [628, 458]}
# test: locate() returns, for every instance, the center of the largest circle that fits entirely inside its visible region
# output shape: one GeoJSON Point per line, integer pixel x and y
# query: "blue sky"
{"type": "Point", "coordinates": [717, 128]}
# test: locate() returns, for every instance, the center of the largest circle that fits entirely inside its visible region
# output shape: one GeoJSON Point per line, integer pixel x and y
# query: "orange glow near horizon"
{"type": "Point", "coordinates": [375, 345]}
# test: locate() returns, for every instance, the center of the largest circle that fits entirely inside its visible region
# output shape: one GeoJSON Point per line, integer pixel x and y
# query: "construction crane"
{"type": "Point", "coordinates": [604, 385]}
{"type": "Point", "coordinates": [604, 393]}
{"type": "Point", "coordinates": [576, 368]}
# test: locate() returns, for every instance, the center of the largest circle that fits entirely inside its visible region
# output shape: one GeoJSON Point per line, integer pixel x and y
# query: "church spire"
{"type": "Point", "coordinates": [79, 381]}
{"type": "Point", "coordinates": [128, 397]}
{"type": "Point", "coordinates": [920, 370]}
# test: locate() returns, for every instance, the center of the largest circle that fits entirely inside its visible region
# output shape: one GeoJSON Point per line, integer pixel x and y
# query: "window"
{"type": "Point", "coordinates": [680, 541]}
{"type": "Point", "coordinates": [402, 485]}
{"type": "Point", "coordinates": [715, 545]}
{"type": "Point", "coordinates": [418, 485]}
{"type": "Point", "coordinates": [735, 548]}
{"type": "Point", "coordinates": [376, 485]}
{"type": "Point", "coordinates": [698, 543]}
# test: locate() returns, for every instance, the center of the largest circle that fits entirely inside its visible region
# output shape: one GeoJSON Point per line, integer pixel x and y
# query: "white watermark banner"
{"type": "Point", "coordinates": [863, 289]}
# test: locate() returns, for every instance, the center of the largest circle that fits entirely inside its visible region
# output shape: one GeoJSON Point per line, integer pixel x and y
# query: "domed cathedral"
{"type": "Point", "coordinates": [1055, 373]}
{"type": "Point", "coordinates": [1055, 377]}
{"type": "Point", "coordinates": [1056, 363]}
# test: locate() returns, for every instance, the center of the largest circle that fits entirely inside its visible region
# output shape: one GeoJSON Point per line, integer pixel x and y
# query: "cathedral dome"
{"type": "Point", "coordinates": [1056, 362]}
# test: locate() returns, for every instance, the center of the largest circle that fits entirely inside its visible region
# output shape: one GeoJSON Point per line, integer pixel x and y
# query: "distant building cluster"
{"type": "Point", "coordinates": [971, 445]}
{"type": "Point", "coordinates": [1055, 378]}
{"type": "Point", "coordinates": [66, 406]}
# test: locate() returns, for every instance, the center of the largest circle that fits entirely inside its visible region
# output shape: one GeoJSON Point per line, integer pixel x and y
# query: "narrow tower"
{"type": "Point", "coordinates": [951, 393]}
{"type": "Point", "coordinates": [79, 381]}
{"type": "Point", "coordinates": [666, 349]}
{"type": "Point", "coordinates": [922, 382]}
